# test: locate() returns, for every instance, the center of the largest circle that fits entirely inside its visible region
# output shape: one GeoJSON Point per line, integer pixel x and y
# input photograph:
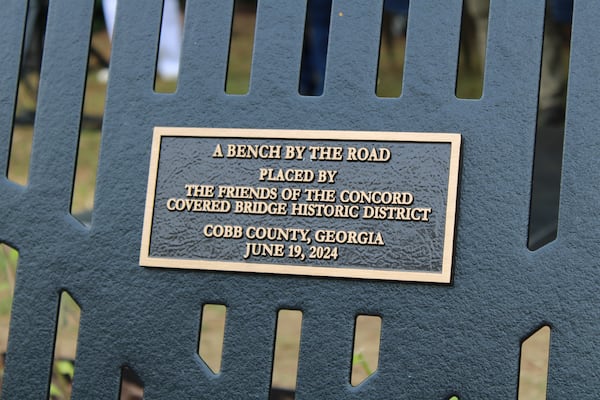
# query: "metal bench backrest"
{"type": "Point", "coordinates": [436, 341]}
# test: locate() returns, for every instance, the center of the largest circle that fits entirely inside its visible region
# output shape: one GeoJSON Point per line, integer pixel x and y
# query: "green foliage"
{"type": "Point", "coordinates": [55, 392]}
{"type": "Point", "coordinates": [8, 269]}
{"type": "Point", "coordinates": [65, 368]}
{"type": "Point", "coordinates": [62, 376]}
{"type": "Point", "coordinates": [359, 359]}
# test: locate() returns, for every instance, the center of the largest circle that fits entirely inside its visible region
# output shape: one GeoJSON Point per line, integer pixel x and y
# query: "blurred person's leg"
{"type": "Point", "coordinates": [32, 24]}
{"type": "Point", "coordinates": [553, 84]}
{"type": "Point", "coordinates": [314, 55]}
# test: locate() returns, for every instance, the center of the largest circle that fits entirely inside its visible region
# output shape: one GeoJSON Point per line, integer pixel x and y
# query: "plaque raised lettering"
{"type": "Point", "coordinates": [372, 205]}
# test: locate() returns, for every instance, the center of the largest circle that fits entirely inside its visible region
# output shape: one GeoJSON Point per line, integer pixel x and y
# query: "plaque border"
{"type": "Point", "coordinates": [445, 276]}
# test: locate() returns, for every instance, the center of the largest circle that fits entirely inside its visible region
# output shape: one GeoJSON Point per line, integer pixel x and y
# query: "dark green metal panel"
{"type": "Point", "coordinates": [436, 339]}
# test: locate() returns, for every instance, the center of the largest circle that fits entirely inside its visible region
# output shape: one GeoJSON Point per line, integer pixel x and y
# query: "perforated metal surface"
{"type": "Point", "coordinates": [436, 340]}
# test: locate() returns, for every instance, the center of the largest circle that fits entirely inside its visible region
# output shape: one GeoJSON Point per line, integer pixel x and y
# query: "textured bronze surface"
{"type": "Point", "coordinates": [375, 205]}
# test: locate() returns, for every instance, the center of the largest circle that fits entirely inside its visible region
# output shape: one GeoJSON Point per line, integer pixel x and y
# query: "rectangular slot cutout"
{"type": "Point", "coordinates": [20, 153]}
{"type": "Point", "coordinates": [392, 46]}
{"type": "Point", "coordinates": [9, 258]}
{"type": "Point", "coordinates": [472, 50]}
{"type": "Point", "coordinates": [314, 49]}
{"type": "Point", "coordinates": [365, 354]}
{"type": "Point", "coordinates": [212, 333]}
{"type": "Point", "coordinates": [26, 102]}
{"type": "Point", "coordinates": [550, 129]}
{"type": "Point", "coordinates": [286, 354]}
{"type": "Point", "coordinates": [239, 63]}
{"type": "Point", "coordinates": [132, 387]}
{"type": "Point", "coordinates": [65, 347]}
{"type": "Point", "coordinates": [169, 48]}
{"type": "Point", "coordinates": [82, 202]}
{"type": "Point", "coordinates": [84, 186]}
{"type": "Point", "coordinates": [533, 372]}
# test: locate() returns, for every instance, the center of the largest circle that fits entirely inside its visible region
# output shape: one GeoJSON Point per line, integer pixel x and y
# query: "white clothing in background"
{"type": "Point", "coordinates": [169, 50]}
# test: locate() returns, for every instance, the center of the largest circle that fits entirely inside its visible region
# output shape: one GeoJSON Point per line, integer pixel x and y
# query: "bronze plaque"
{"type": "Point", "coordinates": [372, 205]}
